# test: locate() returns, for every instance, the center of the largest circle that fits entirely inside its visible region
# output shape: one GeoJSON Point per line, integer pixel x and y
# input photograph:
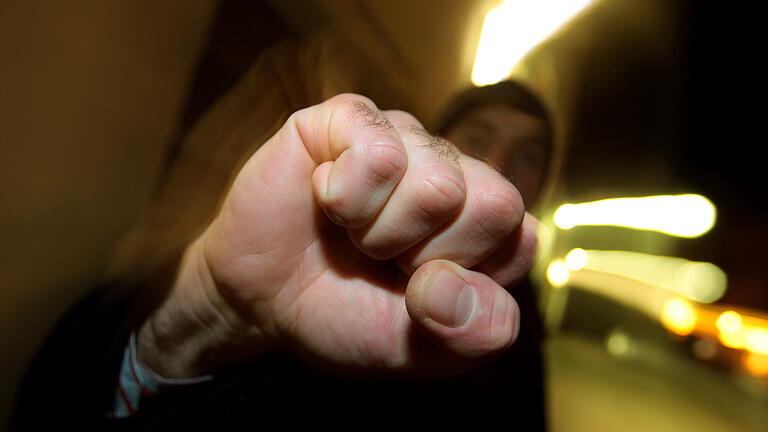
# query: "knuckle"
{"type": "Point", "coordinates": [499, 210]}
{"type": "Point", "coordinates": [349, 98]}
{"type": "Point", "coordinates": [362, 111]}
{"type": "Point", "coordinates": [300, 117]}
{"type": "Point", "coordinates": [440, 193]}
{"type": "Point", "coordinates": [402, 117]}
{"type": "Point", "coordinates": [435, 201]}
{"type": "Point", "coordinates": [386, 161]}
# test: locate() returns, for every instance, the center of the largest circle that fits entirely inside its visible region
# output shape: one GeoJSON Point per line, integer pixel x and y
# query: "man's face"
{"type": "Point", "coordinates": [513, 141]}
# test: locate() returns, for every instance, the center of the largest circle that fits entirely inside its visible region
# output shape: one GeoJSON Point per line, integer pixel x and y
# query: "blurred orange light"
{"type": "Point", "coordinates": [729, 322]}
{"type": "Point", "coordinates": [737, 339]}
{"type": "Point", "coordinates": [756, 364]}
{"type": "Point", "coordinates": [757, 340]}
{"type": "Point", "coordinates": [678, 316]}
{"type": "Point", "coordinates": [752, 339]}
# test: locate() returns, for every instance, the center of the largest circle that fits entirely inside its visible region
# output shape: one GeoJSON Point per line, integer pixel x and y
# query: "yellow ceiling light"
{"type": "Point", "coordinates": [511, 30]}
{"type": "Point", "coordinates": [687, 215]}
{"type": "Point", "coordinates": [698, 281]}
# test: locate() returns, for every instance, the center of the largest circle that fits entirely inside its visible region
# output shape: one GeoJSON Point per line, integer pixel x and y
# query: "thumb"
{"type": "Point", "coordinates": [463, 311]}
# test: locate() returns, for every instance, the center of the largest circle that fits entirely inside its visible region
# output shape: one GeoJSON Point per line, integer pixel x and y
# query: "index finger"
{"type": "Point", "coordinates": [359, 155]}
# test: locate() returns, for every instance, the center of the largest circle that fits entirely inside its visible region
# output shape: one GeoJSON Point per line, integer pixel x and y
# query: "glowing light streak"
{"type": "Point", "coordinates": [511, 30]}
{"type": "Point", "coordinates": [686, 215]}
{"type": "Point", "coordinates": [698, 281]}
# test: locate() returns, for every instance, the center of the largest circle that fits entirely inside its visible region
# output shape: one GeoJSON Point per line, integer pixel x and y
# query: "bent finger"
{"type": "Point", "coordinates": [359, 155]}
{"type": "Point", "coordinates": [490, 217]}
{"type": "Point", "coordinates": [512, 262]}
{"type": "Point", "coordinates": [431, 192]}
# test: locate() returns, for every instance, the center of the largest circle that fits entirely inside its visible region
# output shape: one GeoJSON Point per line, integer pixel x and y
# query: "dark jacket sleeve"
{"type": "Point", "coordinates": [72, 380]}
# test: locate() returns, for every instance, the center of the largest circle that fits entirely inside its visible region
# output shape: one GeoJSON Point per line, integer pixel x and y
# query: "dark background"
{"type": "Point", "coordinates": [723, 151]}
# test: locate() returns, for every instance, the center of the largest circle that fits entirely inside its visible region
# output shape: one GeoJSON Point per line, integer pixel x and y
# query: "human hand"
{"type": "Point", "coordinates": [357, 240]}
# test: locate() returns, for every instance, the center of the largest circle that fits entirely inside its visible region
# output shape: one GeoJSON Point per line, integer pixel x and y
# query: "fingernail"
{"type": "Point", "coordinates": [450, 300]}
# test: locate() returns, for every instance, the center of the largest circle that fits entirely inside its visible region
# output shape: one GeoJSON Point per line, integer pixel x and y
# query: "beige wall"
{"type": "Point", "coordinates": [89, 95]}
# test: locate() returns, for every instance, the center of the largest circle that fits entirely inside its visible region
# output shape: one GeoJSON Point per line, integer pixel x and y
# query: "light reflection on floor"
{"type": "Point", "coordinates": [591, 389]}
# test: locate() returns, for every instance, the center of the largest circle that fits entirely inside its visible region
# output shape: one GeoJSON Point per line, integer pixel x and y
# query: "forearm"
{"type": "Point", "coordinates": [193, 332]}
{"type": "Point", "coordinates": [179, 344]}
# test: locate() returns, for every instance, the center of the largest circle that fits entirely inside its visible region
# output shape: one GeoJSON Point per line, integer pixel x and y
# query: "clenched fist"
{"type": "Point", "coordinates": [358, 241]}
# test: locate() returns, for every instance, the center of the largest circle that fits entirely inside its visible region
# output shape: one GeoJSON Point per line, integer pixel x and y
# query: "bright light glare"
{"type": "Point", "coordinates": [756, 364]}
{"type": "Point", "coordinates": [678, 316]}
{"type": "Point", "coordinates": [757, 341]}
{"type": "Point", "coordinates": [698, 281]}
{"type": "Point", "coordinates": [737, 339]}
{"type": "Point", "coordinates": [576, 259]}
{"type": "Point", "coordinates": [557, 273]}
{"type": "Point", "coordinates": [729, 322]}
{"type": "Point", "coordinates": [751, 338]}
{"type": "Point", "coordinates": [686, 215]}
{"type": "Point", "coordinates": [511, 30]}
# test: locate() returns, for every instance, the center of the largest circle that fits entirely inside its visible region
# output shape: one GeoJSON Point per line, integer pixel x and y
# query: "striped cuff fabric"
{"type": "Point", "coordinates": [137, 382]}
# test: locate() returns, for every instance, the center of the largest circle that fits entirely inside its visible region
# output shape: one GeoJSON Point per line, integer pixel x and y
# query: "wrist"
{"type": "Point", "coordinates": [195, 332]}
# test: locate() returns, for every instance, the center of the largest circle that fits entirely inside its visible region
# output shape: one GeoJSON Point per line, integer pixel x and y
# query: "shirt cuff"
{"type": "Point", "coordinates": [137, 382]}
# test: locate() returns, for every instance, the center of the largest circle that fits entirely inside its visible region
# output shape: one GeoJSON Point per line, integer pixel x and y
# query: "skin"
{"type": "Point", "coordinates": [357, 241]}
{"type": "Point", "coordinates": [509, 139]}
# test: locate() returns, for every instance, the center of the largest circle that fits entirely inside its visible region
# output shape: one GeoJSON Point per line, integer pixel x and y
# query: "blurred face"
{"type": "Point", "coordinates": [511, 140]}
